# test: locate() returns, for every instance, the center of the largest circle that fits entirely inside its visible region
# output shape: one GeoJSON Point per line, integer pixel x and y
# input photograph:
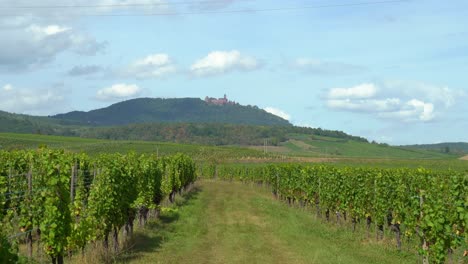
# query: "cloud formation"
{"type": "Point", "coordinates": [277, 112]}
{"type": "Point", "coordinates": [365, 90]}
{"type": "Point", "coordinates": [120, 91]}
{"type": "Point", "coordinates": [37, 101]}
{"type": "Point", "coordinates": [30, 46]}
{"type": "Point", "coordinates": [320, 67]}
{"type": "Point", "coordinates": [396, 100]}
{"type": "Point", "coordinates": [152, 66]}
{"type": "Point", "coordinates": [220, 62]}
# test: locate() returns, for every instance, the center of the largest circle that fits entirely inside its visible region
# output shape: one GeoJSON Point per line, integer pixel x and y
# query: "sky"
{"type": "Point", "coordinates": [391, 71]}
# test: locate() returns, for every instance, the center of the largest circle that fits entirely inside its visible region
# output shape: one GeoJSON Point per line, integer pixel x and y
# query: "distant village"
{"type": "Point", "coordinates": [219, 101]}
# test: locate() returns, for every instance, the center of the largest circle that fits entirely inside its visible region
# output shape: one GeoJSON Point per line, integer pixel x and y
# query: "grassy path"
{"type": "Point", "coordinates": [234, 223]}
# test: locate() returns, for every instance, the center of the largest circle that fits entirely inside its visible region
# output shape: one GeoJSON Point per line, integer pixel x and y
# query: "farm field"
{"type": "Point", "coordinates": [320, 146]}
{"type": "Point", "coordinates": [393, 158]}
{"type": "Point", "coordinates": [97, 146]}
{"type": "Point", "coordinates": [231, 222]}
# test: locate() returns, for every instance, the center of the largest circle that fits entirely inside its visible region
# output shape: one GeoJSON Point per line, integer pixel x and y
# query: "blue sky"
{"type": "Point", "coordinates": [390, 71]}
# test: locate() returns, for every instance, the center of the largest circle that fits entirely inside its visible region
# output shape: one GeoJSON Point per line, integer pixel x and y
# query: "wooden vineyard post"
{"type": "Point", "coordinates": [375, 218]}
{"type": "Point", "coordinates": [72, 192]}
{"type": "Point", "coordinates": [277, 185]}
{"type": "Point", "coordinates": [10, 174]}
{"type": "Point", "coordinates": [425, 247]}
{"type": "Point", "coordinates": [72, 183]}
{"type": "Point", "coordinates": [317, 200]}
{"type": "Point", "coordinates": [94, 172]}
{"type": "Point", "coordinates": [29, 234]}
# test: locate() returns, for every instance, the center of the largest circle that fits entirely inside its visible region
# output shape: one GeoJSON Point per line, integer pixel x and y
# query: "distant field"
{"type": "Point", "coordinates": [319, 146]}
{"type": "Point", "coordinates": [97, 146]}
{"type": "Point", "coordinates": [302, 150]}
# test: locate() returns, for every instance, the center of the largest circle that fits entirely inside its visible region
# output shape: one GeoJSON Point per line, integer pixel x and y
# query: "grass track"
{"type": "Point", "coordinates": [225, 222]}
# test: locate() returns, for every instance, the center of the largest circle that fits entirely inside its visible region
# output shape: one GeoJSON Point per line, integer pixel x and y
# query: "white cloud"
{"type": "Point", "coordinates": [31, 46]}
{"type": "Point", "coordinates": [277, 112]}
{"type": "Point", "coordinates": [33, 37]}
{"type": "Point", "coordinates": [118, 92]}
{"type": "Point", "coordinates": [152, 66]}
{"type": "Point", "coordinates": [413, 110]}
{"type": "Point", "coordinates": [319, 67]}
{"type": "Point", "coordinates": [219, 62]}
{"type": "Point", "coordinates": [31, 101]}
{"type": "Point", "coordinates": [400, 101]}
{"type": "Point", "coordinates": [8, 87]}
{"type": "Point", "coordinates": [48, 30]}
{"type": "Point", "coordinates": [438, 94]}
{"type": "Point", "coordinates": [366, 105]}
{"type": "Point", "coordinates": [365, 90]}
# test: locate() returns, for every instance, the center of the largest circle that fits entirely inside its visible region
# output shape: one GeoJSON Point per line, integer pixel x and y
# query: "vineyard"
{"type": "Point", "coordinates": [64, 201]}
{"type": "Point", "coordinates": [413, 203]}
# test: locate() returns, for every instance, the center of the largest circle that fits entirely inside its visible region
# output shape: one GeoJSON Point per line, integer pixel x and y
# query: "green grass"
{"type": "Point", "coordinates": [300, 146]}
{"type": "Point", "coordinates": [381, 156]}
{"type": "Point", "coordinates": [96, 146]}
{"type": "Point", "coordinates": [234, 223]}
{"type": "Point", "coordinates": [318, 146]}
{"type": "Point", "coordinates": [434, 164]}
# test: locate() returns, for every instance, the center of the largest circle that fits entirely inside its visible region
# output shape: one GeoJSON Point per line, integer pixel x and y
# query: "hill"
{"type": "Point", "coordinates": [447, 147]}
{"type": "Point", "coordinates": [207, 133]}
{"type": "Point", "coordinates": [194, 121]}
{"type": "Point", "coordinates": [19, 123]}
{"type": "Point", "coordinates": [175, 110]}
{"type": "Point", "coordinates": [309, 145]}
{"type": "Point", "coordinates": [11, 141]}
{"type": "Point", "coordinates": [183, 120]}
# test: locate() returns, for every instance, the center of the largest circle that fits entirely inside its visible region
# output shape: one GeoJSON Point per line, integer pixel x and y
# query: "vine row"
{"type": "Point", "coordinates": [429, 205]}
{"type": "Point", "coordinates": [67, 200]}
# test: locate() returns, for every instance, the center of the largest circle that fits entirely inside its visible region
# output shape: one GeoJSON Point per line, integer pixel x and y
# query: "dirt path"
{"type": "Point", "coordinates": [464, 157]}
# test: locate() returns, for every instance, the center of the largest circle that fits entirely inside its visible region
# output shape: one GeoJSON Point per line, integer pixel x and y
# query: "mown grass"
{"type": "Point", "coordinates": [228, 222]}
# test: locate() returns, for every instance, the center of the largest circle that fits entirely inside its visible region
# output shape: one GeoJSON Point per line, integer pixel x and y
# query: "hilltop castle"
{"type": "Point", "coordinates": [219, 101]}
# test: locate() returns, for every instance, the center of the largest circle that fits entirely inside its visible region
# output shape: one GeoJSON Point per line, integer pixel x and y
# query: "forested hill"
{"type": "Point", "coordinates": [176, 110]}
{"type": "Point", "coordinates": [447, 147]}
{"type": "Point", "coordinates": [185, 120]}
{"type": "Point", "coordinates": [24, 123]}
{"type": "Point", "coordinates": [209, 133]}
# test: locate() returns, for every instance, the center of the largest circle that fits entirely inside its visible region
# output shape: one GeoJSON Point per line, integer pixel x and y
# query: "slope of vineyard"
{"type": "Point", "coordinates": [93, 147]}
{"type": "Point", "coordinates": [301, 146]}
{"type": "Point", "coordinates": [319, 146]}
